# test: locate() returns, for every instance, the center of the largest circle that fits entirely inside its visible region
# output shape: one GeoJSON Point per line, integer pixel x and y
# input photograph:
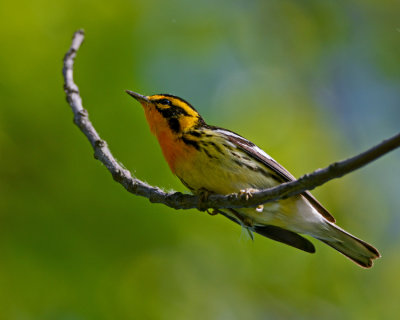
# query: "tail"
{"type": "Point", "coordinates": [353, 248]}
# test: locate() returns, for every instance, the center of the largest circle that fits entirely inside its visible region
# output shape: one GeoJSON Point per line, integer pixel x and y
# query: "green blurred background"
{"type": "Point", "coordinates": [310, 82]}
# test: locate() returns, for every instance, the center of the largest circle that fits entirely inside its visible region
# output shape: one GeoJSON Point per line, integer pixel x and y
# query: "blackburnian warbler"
{"type": "Point", "coordinates": [209, 159]}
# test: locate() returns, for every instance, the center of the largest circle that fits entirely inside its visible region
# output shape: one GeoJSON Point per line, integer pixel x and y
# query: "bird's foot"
{"type": "Point", "coordinates": [203, 197]}
{"type": "Point", "coordinates": [212, 212]}
{"type": "Point", "coordinates": [247, 193]}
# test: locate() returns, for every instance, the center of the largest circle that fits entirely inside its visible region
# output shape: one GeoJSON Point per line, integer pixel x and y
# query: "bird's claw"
{"type": "Point", "coordinates": [247, 193]}
{"type": "Point", "coordinates": [212, 212]}
{"type": "Point", "coordinates": [203, 197]}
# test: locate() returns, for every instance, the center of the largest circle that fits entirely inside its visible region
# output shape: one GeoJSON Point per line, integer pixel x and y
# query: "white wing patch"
{"type": "Point", "coordinates": [257, 149]}
{"type": "Point", "coordinates": [228, 133]}
{"type": "Point", "coordinates": [253, 146]}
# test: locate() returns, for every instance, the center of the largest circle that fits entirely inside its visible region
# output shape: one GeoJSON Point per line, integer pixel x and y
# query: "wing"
{"type": "Point", "coordinates": [255, 152]}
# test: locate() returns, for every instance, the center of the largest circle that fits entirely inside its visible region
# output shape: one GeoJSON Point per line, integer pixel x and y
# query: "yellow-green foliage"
{"type": "Point", "coordinates": [311, 82]}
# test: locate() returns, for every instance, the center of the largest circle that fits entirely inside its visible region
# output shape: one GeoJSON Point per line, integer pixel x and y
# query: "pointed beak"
{"type": "Point", "coordinates": [142, 99]}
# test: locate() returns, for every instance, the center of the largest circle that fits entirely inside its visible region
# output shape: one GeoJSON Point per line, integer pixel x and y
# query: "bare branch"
{"type": "Point", "coordinates": [178, 200]}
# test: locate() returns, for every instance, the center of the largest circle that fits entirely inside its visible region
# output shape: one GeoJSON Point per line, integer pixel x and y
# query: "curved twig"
{"type": "Point", "coordinates": [178, 200]}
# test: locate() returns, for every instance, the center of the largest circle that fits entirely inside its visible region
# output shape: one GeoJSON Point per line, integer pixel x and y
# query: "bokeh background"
{"type": "Point", "coordinates": [310, 82]}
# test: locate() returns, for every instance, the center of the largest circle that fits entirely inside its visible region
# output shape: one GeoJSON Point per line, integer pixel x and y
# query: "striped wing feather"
{"type": "Point", "coordinates": [252, 150]}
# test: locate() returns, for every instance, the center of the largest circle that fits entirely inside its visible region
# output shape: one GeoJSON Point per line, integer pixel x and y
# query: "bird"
{"type": "Point", "coordinates": [212, 160]}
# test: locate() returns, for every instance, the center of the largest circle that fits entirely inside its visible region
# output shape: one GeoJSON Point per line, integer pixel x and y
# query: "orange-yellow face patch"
{"type": "Point", "coordinates": [175, 102]}
{"type": "Point", "coordinates": [168, 118]}
{"type": "Point", "coordinates": [187, 120]}
{"type": "Point", "coordinates": [156, 121]}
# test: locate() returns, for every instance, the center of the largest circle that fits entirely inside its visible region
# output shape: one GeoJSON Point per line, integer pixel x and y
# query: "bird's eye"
{"type": "Point", "coordinates": [164, 101]}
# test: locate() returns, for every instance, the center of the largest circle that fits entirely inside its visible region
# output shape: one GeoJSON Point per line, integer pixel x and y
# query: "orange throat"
{"type": "Point", "coordinates": [173, 148]}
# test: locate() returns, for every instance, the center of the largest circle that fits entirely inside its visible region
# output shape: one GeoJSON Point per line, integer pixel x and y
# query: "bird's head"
{"type": "Point", "coordinates": [166, 112]}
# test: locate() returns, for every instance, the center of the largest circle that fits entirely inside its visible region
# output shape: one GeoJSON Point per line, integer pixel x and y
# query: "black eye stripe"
{"type": "Point", "coordinates": [173, 111]}
{"type": "Point", "coordinates": [164, 102]}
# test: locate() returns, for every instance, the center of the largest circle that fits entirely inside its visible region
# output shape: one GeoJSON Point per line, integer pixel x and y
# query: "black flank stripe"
{"type": "Point", "coordinates": [270, 175]}
{"type": "Point", "coordinates": [250, 167]}
{"type": "Point", "coordinates": [184, 182]}
{"type": "Point", "coordinates": [217, 147]}
{"type": "Point", "coordinates": [240, 164]}
{"type": "Point", "coordinates": [208, 154]}
{"type": "Point", "coordinates": [195, 133]}
{"type": "Point", "coordinates": [191, 143]}
{"type": "Point", "coordinates": [227, 146]}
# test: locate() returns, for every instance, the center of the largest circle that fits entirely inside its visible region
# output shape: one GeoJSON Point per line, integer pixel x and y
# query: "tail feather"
{"type": "Point", "coordinates": [353, 248]}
